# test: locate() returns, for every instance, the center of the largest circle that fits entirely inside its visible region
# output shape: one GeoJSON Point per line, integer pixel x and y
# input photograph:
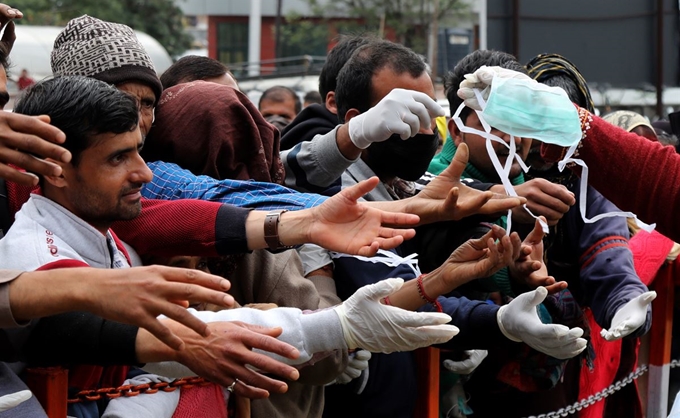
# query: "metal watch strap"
{"type": "Point", "coordinates": [271, 229]}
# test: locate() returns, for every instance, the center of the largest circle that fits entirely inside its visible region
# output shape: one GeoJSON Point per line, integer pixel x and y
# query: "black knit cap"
{"type": "Point", "coordinates": [107, 51]}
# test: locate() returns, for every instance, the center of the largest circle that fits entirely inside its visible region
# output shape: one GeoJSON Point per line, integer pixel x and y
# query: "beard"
{"type": "Point", "coordinates": [101, 209]}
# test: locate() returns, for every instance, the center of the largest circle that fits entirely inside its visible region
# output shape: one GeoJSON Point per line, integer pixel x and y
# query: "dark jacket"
{"type": "Point", "coordinates": [314, 120]}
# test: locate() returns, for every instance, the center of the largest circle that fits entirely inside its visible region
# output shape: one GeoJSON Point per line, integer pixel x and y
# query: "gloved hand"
{"type": "Point", "coordinates": [630, 317]}
{"type": "Point", "coordinates": [467, 366]}
{"type": "Point", "coordinates": [481, 79]}
{"type": "Point", "coordinates": [519, 321]}
{"type": "Point", "coordinates": [357, 364]}
{"type": "Point", "coordinates": [401, 112]}
{"type": "Point", "coordinates": [14, 399]}
{"type": "Point", "coordinates": [368, 324]}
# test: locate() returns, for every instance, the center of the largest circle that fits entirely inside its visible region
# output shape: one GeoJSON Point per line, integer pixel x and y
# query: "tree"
{"type": "Point", "coordinates": [409, 19]}
{"type": "Point", "coordinates": [161, 19]}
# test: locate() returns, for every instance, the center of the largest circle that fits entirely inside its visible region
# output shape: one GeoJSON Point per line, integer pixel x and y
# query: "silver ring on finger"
{"type": "Point", "coordinates": [230, 388]}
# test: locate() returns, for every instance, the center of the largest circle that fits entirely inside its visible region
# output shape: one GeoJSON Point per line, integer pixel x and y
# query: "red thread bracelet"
{"type": "Point", "coordinates": [421, 292]}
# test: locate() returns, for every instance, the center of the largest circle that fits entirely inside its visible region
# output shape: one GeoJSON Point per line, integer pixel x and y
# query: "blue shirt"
{"type": "Point", "coordinates": [171, 182]}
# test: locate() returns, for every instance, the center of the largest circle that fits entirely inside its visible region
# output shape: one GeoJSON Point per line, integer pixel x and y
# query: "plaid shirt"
{"type": "Point", "coordinates": [171, 182]}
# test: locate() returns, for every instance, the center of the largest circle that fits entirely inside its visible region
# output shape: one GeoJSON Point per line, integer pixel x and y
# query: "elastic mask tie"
{"type": "Point", "coordinates": [502, 171]}
{"type": "Point", "coordinates": [385, 257]}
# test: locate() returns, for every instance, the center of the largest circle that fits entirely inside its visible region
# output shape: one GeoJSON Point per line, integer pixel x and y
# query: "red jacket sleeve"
{"type": "Point", "coordinates": [185, 227]}
{"type": "Point", "coordinates": [169, 228]}
{"type": "Point", "coordinates": [634, 173]}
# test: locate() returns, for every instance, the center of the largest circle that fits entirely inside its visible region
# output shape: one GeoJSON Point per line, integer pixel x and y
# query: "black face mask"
{"type": "Point", "coordinates": [279, 121]}
{"type": "Point", "coordinates": [407, 159]}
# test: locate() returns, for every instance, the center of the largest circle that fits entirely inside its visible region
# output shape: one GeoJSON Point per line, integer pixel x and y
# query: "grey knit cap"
{"type": "Point", "coordinates": [106, 51]}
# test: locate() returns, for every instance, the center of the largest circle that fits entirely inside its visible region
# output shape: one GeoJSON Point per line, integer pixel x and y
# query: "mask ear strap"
{"type": "Point", "coordinates": [502, 171]}
{"type": "Point", "coordinates": [583, 193]}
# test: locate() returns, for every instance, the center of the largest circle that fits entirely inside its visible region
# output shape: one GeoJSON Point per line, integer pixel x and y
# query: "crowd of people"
{"type": "Point", "coordinates": [294, 255]}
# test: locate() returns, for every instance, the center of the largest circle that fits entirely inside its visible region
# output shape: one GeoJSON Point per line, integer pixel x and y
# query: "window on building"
{"type": "Point", "coordinates": [232, 42]}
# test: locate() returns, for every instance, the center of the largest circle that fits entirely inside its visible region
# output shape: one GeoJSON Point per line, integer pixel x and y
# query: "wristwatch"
{"type": "Point", "coordinates": [271, 230]}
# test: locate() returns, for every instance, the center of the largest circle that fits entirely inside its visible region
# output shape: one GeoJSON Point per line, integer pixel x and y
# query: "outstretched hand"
{"type": "Point", "coordinates": [345, 225]}
{"type": "Point", "coordinates": [519, 321]}
{"type": "Point", "coordinates": [228, 354]}
{"type": "Point", "coordinates": [629, 317]}
{"type": "Point", "coordinates": [478, 258]}
{"type": "Point", "coordinates": [529, 268]}
{"type": "Point", "coordinates": [446, 198]}
{"type": "Point", "coordinates": [138, 295]}
{"type": "Point", "coordinates": [368, 324]}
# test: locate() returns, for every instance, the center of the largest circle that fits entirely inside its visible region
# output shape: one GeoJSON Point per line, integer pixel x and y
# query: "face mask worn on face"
{"type": "Point", "coordinates": [279, 121]}
{"type": "Point", "coordinates": [550, 117]}
{"type": "Point", "coordinates": [407, 159]}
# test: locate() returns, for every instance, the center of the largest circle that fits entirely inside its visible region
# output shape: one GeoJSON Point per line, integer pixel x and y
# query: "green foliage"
{"type": "Point", "coordinates": [161, 19]}
{"type": "Point", "coordinates": [409, 19]}
{"type": "Point", "coordinates": [299, 37]}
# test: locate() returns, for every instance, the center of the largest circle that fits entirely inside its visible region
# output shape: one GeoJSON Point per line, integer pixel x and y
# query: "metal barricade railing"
{"type": "Point", "coordinates": [658, 367]}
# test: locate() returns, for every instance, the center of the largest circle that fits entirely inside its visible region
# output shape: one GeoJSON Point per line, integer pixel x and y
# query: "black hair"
{"type": "Point", "coordinates": [313, 97]}
{"type": "Point", "coordinates": [279, 94]}
{"type": "Point", "coordinates": [355, 81]}
{"type": "Point", "coordinates": [568, 85]}
{"type": "Point", "coordinates": [81, 107]}
{"type": "Point", "coordinates": [556, 71]}
{"type": "Point", "coordinates": [192, 68]}
{"type": "Point", "coordinates": [468, 65]}
{"type": "Point", "coordinates": [337, 58]}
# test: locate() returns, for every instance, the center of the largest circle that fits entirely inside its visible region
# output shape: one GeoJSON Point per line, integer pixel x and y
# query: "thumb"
{"type": "Point", "coordinates": [535, 297]}
{"type": "Point", "coordinates": [647, 298]}
{"type": "Point", "coordinates": [14, 399]}
{"type": "Point", "coordinates": [353, 193]}
{"type": "Point", "coordinates": [459, 162]}
{"type": "Point", "coordinates": [536, 234]}
{"type": "Point", "coordinates": [381, 289]}
{"type": "Point", "coordinates": [485, 74]}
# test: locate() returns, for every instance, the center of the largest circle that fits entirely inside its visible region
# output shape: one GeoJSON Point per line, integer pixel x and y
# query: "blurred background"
{"type": "Point", "coordinates": [627, 50]}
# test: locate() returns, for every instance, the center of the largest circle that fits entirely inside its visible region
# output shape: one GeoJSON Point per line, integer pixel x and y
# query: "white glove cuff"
{"type": "Point", "coordinates": [352, 343]}
{"type": "Point", "coordinates": [356, 132]}
{"type": "Point", "coordinates": [499, 320]}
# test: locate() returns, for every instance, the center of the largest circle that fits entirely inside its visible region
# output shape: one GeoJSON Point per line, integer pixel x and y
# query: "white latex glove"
{"type": "Point", "coordinates": [358, 362]}
{"type": "Point", "coordinates": [481, 79]}
{"type": "Point", "coordinates": [368, 324]}
{"type": "Point", "coordinates": [519, 321]}
{"type": "Point", "coordinates": [14, 399]}
{"type": "Point", "coordinates": [401, 112]}
{"type": "Point", "coordinates": [467, 366]}
{"type": "Point", "coordinates": [630, 317]}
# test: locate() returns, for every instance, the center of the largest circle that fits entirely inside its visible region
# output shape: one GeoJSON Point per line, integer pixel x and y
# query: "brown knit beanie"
{"type": "Point", "coordinates": [107, 51]}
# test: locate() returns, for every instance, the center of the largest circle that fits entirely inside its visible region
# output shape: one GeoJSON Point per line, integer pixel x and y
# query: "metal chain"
{"type": "Point", "coordinates": [134, 390]}
{"type": "Point", "coordinates": [592, 399]}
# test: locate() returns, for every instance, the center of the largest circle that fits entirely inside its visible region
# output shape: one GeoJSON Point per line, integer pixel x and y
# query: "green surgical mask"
{"type": "Point", "coordinates": [529, 109]}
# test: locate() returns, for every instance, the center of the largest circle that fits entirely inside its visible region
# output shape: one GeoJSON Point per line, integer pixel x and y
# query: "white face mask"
{"type": "Point", "coordinates": [551, 118]}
